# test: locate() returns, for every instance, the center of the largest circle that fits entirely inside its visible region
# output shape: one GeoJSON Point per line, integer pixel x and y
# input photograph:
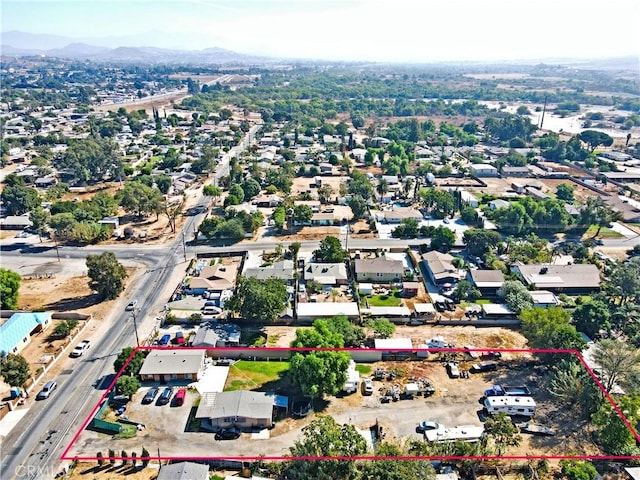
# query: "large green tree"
{"type": "Point", "coordinates": [127, 385]}
{"type": "Point", "coordinates": [141, 199]}
{"type": "Point", "coordinates": [550, 328]}
{"type": "Point", "coordinates": [134, 366]}
{"type": "Point", "coordinates": [613, 435]}
{"type": "Point", "coordinates": [14, 369]}
{"type": "Point", "coordinates": [323, 437]}
{"type": "Point", "coordinates": [17, 198]}
{"type": "Point", "coordinates": [258, 300]}
{"type": "Point", "coordinates": [330, 251]}
{"type": "Point", "coordinates": [502, 431]}
{"type": "Point", "coordinates": [516, 296]}
{"type": "Point", "coordinates": [480, 241]}
{"type": "Point", "coordinates": [594, 139]}
{"type": "Point", "coordinates": [106, 275]}
{"type": "Point", "coordinates": [92, 159]}
{"type": "Point", "coordinates": [393, 469]}
{"type": "Point", "coordinates": [320, 373]}
{"type": "Point", "coordinates": [591, 317]}
{"type": "Point", "coordinates": [9, 287]}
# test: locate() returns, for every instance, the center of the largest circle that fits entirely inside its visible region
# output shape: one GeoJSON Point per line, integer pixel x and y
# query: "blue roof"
{"type": "Point", "coordinates": [19, 326]}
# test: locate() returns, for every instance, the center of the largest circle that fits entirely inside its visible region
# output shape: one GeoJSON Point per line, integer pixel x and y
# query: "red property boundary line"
{"type": "Point", "coordinates": [249, 352]}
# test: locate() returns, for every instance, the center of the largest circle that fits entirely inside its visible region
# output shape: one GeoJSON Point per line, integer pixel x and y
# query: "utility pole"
{"type": "Point", "coordinates": [135, 326]}
{"type": "Point", "coordinates": [184, 247]}
{"type": "Point", "coordinates": [55, 242]}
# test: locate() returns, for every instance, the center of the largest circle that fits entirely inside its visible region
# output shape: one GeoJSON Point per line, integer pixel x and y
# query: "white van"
{"type": "Point", "coordinates": [510, 405]}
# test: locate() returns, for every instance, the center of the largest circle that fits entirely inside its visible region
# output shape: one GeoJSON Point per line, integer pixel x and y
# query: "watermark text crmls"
{"type": "Point", "coordinates": [34, 471]}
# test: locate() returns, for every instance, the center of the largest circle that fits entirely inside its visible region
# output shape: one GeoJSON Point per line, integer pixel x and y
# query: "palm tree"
{"type": "Point", "coordinates": [382, 188]}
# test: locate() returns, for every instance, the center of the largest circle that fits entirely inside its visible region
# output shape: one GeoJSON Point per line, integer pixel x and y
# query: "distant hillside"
{"type": "Point", "coordinates": [21, 44]}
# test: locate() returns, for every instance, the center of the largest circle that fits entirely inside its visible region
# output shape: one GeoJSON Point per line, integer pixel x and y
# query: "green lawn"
{"type": "Point", "coordinates": [604, 233]}
{"type": "Point", "coordinates": [363, 369]}
{"type": "Point", "coordinates": [483, 301]}
{"type": "Point", "coordinates": [245, 375]}
{"type": "Point", "coordinates": [392, 300]}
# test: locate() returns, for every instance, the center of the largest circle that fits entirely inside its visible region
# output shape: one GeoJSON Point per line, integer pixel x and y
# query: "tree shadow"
{"type": "Point", "coordinates": [74, 303]}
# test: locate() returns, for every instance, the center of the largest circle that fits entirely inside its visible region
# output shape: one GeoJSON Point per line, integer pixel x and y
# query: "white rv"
{"type": "Point", "coordinates": [463, 433]}
{"type": "Point", "coordinates": [353, 379]}
{"type": "Point", "coordinates": [510, 405]}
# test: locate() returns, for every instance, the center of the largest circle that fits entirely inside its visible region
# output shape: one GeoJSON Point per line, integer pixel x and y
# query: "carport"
{"type": "Point", "coordinates": [213, 379]}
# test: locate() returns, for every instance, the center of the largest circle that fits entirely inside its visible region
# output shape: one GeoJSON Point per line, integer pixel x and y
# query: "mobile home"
{"type": "Point", "coordinates": [510, 405]}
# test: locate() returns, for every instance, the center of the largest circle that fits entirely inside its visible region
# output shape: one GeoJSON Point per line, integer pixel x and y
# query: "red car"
{"type": "Point", "coordinates": [179, 340]}
{"type": "Point", "coordinates": [179, 397]}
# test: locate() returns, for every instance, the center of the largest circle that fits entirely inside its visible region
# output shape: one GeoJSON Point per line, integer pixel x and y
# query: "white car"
{"type": "Point", "coordinates": [131, 305]}
{"type": "Point", "coordinates": [367, 388]}
{"type": "Point", "coordinates": [80, 348]}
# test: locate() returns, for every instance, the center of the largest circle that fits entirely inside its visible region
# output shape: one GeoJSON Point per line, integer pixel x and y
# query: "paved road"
{"type": "Point", "coordinates": [34, 446]}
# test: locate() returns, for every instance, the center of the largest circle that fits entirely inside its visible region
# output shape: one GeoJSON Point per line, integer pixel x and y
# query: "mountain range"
{"type": "Point", "coordinates": [16, 43]}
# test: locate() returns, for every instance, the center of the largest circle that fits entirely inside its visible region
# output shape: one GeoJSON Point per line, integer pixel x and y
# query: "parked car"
{"type": "Point", "coordinates": [165, 396]}
{"type": "Point", "coordinates": [150, 396]}
{"type": "Point", "coordinates": [166, 338]}
{"type": "Point", "coordinates": [46, 390]}
{"type": "Point", "coordinates": [227, 434]}
{"type": "Point", "coordinates": [80, 348]}
{"type": "Point", "coordinates": [179, 338]}
{"type": "Point", "coordinates": [484, 367]}
{"type": "Point", "coordinates": [131, 305]}
{"type": "Point", "coordinates": [211, 310]}
{"type": "Point", "coordinates": [424, 426]}
{"type": "Point", "coordinates": [367, 387]}
{"type": "Point", "coordinates": [452, 370]}
{"type": "Point", "coordinates": [179, 397]}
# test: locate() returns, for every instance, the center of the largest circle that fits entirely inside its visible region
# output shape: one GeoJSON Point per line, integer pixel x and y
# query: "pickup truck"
{"type": "Point", "coordinates": [506, 391]}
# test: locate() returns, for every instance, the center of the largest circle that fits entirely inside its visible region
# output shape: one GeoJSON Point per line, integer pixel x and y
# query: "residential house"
{"type": "Point", "coordinates": [165, 365]}
{"type": "Point", "coordinates": [213, 278]}
{"type": "Point", "coordinates": [483, 170]}
{"type": "Point", "coordinates": [267, 201]}
{"type": "Point", "coordinates": [15, 222]}
{"type": "Point", "coordinates": [46, 182]}
{"type": "Point", "coordinates": [184, 471]}
{"type": "Point", "coordinates": [313, 204]}
{"type": "Point", "coordinates": [575, 279]}
{"type": "Point", "coordinates": [282, 270]}
{"type": "Point", "coordinates": [242, 409]}
{"type": "Point", "coordinates": [379, 270]}
{"type": "Point", "coordinates": [327, 274]}
{"type": "Point", "coordinates": [467, 198]}
{"type": "Point", "coordinates": [440, 269]}
{"type": "Point", "coordinates": [488, 282]}
{"type": "Point", "coordinates": [397, 215]}
{"type": "Point", "coordinates": [16, 331]}
{"type": "Point", "coordinates": [379, 142]}
{"type": "Point", "coordinates": [217, 335]}
{"type": "Point", "coordinates": [323, 219]}
{"type": "Point", "coordinates": [628, 209]}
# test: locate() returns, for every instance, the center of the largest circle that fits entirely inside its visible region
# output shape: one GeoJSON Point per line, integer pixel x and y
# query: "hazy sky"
{"type": "Point", "coordinates": [383, 30]}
